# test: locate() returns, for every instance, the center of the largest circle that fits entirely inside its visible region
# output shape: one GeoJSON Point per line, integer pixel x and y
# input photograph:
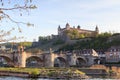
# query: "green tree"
{"type": "Point", "coordinates": [75, 32]}
{"type": "Point", "coordinates": [81, 36]}
{"type": "Point", "coordinates": [106, 34]}
{"type": "Point", "coordinates": [26, 44]}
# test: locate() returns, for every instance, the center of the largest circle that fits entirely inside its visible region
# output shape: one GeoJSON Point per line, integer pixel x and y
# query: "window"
{"type": "Point", "coordinates": [114, 49]}
{"type": "Point", "coordinates": [111, 54]}
{"type": "Point", "coordinates": [114, 53]}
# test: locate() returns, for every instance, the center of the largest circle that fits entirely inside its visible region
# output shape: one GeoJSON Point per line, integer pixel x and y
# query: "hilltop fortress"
{"type": "Point", "coordinates": [69, 35]}
{"type": "Point", "coordinates": [72, 33]}
{"type": "Point", "coordinates": [62, 32]}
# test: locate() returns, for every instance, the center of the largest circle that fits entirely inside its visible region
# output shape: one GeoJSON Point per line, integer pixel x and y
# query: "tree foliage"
{"type": "Point", "coordinates": [26, 44]}
{"type": "Point", "coordinates": [58, 42]}
{"type": "Point", "coordinates": [7, 6]}
{"type": "Point", "coordinates": [105, 35]}
{"type": "Point", "coordinates": [3, 34]}
{"type": "Point", "coordinates": [15, 5]}
{"type": "Point", "coordinates": [99, 42]}
{"type": "Point", "coordinates": [74, 34]}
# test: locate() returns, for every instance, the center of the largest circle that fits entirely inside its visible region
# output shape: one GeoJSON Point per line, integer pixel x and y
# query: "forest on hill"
{"type": "Point", "coordinates": [101, 42]}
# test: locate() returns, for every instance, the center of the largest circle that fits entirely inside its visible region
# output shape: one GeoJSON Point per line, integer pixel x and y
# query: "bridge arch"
{"type": "Point", "coordinates": [5, 61]}
{"type": "Point", "coordinates": [34, 61]}
{"type": "Point", "coordinates": [80, 61]}
{"type": "Point", "coordinates": [60, 62]}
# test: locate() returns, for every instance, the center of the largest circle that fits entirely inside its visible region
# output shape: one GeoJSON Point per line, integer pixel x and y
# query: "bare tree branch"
{"type": "Point", "coordinates": [20, 7]}
{"type": "Point", "coordinates": [25, 6]}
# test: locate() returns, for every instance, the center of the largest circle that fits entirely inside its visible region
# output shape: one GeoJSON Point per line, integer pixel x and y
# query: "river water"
{"type": "Point", "coordinates": [18, 78]}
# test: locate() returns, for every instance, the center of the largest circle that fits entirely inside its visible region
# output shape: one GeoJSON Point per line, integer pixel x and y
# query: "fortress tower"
{"type": "Point", "coordinates": [97, 30]}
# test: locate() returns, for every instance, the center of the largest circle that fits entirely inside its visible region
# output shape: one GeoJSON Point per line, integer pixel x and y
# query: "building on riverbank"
{"type": "Point", "coordinates": [113, 54]}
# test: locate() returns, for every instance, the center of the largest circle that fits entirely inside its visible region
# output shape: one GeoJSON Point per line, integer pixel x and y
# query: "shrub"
{"type": "Point", "coordinates": [34, 73]}
{"type": "Point", "coordinates": [52, 73]}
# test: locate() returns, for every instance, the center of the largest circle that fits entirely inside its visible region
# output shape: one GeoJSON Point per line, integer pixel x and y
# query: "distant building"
{"type": "Point", "coordinates": [88, 33]}
{"type": "Point", "coordinates": [87, 52]}
{"type": "Point", "coordinates": [113, 54]}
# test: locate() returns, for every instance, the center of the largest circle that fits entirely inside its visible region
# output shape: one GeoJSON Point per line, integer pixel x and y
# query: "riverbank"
{"type": "Point", "coordinates": [56, 73]}
{"type": "Point", "coordinates": [96, 71]}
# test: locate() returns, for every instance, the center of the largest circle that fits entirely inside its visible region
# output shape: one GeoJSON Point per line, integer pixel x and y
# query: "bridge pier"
{"type": "Point", "coordinates": [50, 59]}
{"type": "Point", "coordinates": [21, 57]}
{"type": "Point", "coordinates": [22, 60]}
{"type": "Point", "coordinates": [73, 59]}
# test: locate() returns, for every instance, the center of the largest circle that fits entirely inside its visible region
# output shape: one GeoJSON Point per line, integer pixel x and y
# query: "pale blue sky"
{"type": "Point", "coordinates": [51, 13]}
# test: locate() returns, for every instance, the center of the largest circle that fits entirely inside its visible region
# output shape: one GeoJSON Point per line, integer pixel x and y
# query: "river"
{"type": "Point", "coordinates": [18, 78]}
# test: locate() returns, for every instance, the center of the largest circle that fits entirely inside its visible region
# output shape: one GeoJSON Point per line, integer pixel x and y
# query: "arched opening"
{"type": "Point", "coordinates": [59, 62]}
{"type": "Point", "coordinates": [6, 62]}
{"type": "Point", "coordinates": [80, 62]}
{"type": "Point", "coordinates": [34, 61]}
{"type": "Point", "coordinates": [96, 61]}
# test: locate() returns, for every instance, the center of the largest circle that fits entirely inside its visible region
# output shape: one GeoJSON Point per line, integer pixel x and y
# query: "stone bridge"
{"type": "Point", "coordinates": [21, 58]}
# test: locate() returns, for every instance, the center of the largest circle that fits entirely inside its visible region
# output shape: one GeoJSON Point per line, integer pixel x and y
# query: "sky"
{"type": "Point", "coordinates": [51, 13]}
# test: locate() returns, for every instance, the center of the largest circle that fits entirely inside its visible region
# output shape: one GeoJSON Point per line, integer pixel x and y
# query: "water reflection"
{"type": "Point", "coordinates": [18, 78]}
